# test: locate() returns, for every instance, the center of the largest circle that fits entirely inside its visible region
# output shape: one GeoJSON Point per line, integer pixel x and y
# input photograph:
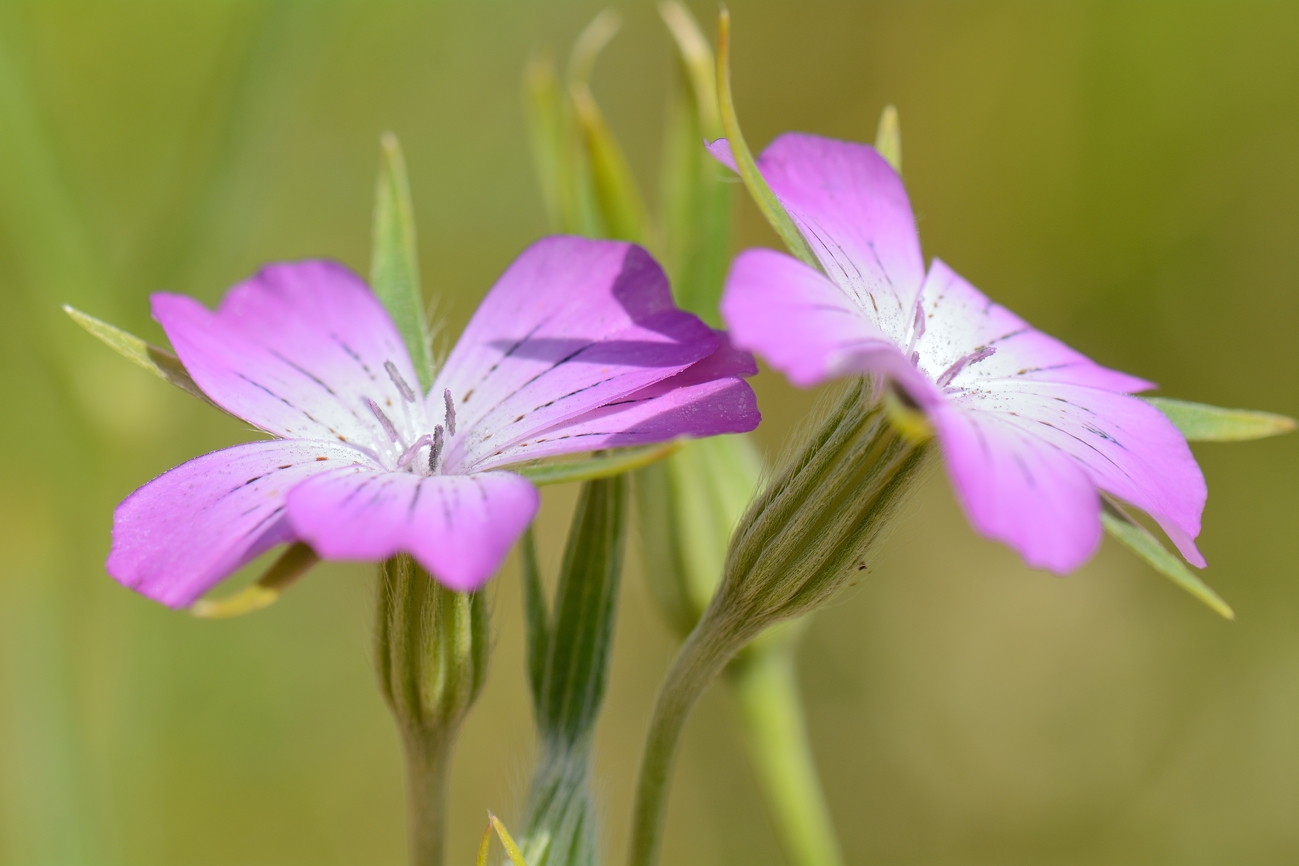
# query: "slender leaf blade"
{"type": "Point", "coordinates": [595, 468]}
{"type": "Point", "coordinates": [1199, 422]}
{"type": "Point", "coordinates": [888, 138]}
{"type": "Point", "coordinates": [765, 199]}
{"type": "Point", "coordinates": [511, 849]}
{"type": "Point", "coordinates": [1132, 535]}
{"type": "Point", "coordinates": [696, 194]}
{"type": "Point", "coordinates": [621, 207]}
{"type": "Point", "coordinates": [159, 362]}
{"type": "Point", "coordinates": [394, 264]}
{"type": "Point", "coordinates": [556, 156]}
{"type": "Point", "coordinates": [292, 564]}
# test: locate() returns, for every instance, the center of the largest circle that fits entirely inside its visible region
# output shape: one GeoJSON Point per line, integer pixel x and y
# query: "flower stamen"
{"type": "Point", "coordinates": [408, 455]}
{"type": "Point", "coordinates": [407, 393]}
{"type": "Point", "coordinates": [980, 354]}
{"type": "Point", "coordinates": [451, 412]}
{"type": "Point", "coordinates": [436, 452]}
{"type": "Point", "coordinates": [382, 419]}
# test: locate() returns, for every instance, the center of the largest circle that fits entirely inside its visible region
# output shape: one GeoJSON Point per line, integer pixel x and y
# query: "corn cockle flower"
{"type": "Point", "coordinates": [1031, 431]}
{"type": "Point", "coordinates": [576, 348]}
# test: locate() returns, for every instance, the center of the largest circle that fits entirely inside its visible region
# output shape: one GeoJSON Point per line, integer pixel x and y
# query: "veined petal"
{"type": "Point", "coordinates": [298, 350]}
{"type": "Point", "coordinates": [573, 324]}
{"type": "Point", "coordinates": [959, 320]}
{"type": "Point", "coordinates": [177, 536]}
{"type": "Point", "coordinates": [459, 527]}
{"type": "Point", "coordinates": [1126, 446]}
{"type": "Point", "coordinates": [850, 205]}
{"type": "Point", "coordinates": [1019, 489]}
{"type": "Point", "coordinates": [709, 398]}
{"type": "Point", "coordinates": [807, 327]}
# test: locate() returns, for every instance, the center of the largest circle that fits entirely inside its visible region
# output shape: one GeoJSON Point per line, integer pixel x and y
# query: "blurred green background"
{"type": "Point", "coordinates": [1124, 175]}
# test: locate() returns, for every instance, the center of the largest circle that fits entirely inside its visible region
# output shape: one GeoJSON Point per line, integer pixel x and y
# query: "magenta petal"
{"type": "Point", "coordinates": [806, 326]}
{"type": "Point", "coordinates": [177, 536]}
{"type": "Point", "coordinates": [959, 319]}
{"type": "Point", "coordinates": [706, 399]}
{"type": "Point", "coordinates": [459, 527]}
{"type": "Point", "coordinates": [297, 350]}
{"type": "Point", "coordinates": [1126, 447]}
{"type": "Point", "coordinates": [850, 205]}
{"type": "Point", "coordinates": [571, 325]}
{"type": "Point", "coordinates": [1018, 489]}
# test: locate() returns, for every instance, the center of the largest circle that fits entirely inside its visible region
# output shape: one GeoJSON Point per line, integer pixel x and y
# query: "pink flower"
{"type": "Point", "coordinates": [1031, 431]}
{"type": "Point", "coordinates": [577, 347]}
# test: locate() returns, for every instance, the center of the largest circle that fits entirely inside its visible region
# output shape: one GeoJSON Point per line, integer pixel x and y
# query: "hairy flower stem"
{"type": "Point", "coordinates": [763, 681]}
{"type": "Point", "coordinates": [431, 659]}
{"type": "Point", "coordinates": [804, 536]}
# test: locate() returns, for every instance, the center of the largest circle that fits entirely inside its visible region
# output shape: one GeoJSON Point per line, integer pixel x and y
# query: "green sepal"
{"type": "Point", "coordinates": [1199, 422]}
{"type": "Point", "coordinates": [159, 362]}
{"type": "Point", "coordinates": [594, 468]}
{"type": "Point", "coordinates": [888, 138]}
{"type": "Point", "coordinates": [394, 263]}
{"type": "Point", "coordinates": [1132, 535]}
{"type": "Point", "coordinates": [536, 620]}
{"type": "Point", "coordinates": [292, 564]}
{"type": "Point", "coordinates": [762, 195]}
{"type": "Point", "coordinates": [621, 207]}
{"type": "Point", "coordinates": [696, 192]}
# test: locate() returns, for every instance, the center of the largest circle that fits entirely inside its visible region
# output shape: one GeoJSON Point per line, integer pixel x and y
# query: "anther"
{"type": "Point", "coordinates": [980, 354]}
{"type": "Point", "coordinates": [918, 326]}
{"type": "Point", "coordinates": [407, 394]}
{"type": "Point", "coordinates": [382, 419]}
{"type": "Point", "coordinates": [451, 412]}
{"type": "Point", "coordinates": [436, 451]}
{"type": "Point", "coordinates": [409, 454]}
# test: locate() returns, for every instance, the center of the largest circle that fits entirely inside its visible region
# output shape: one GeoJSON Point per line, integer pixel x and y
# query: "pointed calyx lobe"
{"type": "Point", "coordinates": [1031, 430]}
{"type": "Point", "coordinates": [576, 348]}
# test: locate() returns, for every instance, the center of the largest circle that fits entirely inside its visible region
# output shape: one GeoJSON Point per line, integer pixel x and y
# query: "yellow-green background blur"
{"type": "Point", "coordinates": [1124, 175]}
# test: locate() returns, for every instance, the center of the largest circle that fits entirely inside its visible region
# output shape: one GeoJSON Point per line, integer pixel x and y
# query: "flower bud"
{"type": "Point", "coordinates": [431, 657]}
{"type": "Point", "coordinates": [809, 531]}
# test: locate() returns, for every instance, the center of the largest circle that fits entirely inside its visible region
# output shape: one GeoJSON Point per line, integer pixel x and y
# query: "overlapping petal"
{"type": "Point", "coordinates": [298, 350]}
{"type": "Point", "coordinates": [458, 527]}
{"type": "Point", "coordinates": [708, 398]}
{"type": "Point", "coordinates": [573, 324]}
{"type": "Point", "coordinates": [807, 327]}
{"type": "Point", "coordinates": [853, 210]}
{"type": "Point", "coordinates": [177, 536]}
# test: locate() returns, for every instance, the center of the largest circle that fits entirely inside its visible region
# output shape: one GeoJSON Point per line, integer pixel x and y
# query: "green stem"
{"type": "Point", "coordinates": [428, 763]}
{"type": "Point", "coordinates": [701, 658]}
{"type": "Point", "coordinates": [764, 683]}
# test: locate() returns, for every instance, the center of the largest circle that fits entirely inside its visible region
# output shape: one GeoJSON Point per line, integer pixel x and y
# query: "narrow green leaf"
{"type": "Point", "coordinates": [696, 192]}
{"type": "Point", "coordinates": [485, 846]}
{"type": "Point", "coordinates": [762, 195]}
{"type": "Point", "coordinates": [1202, 423]}
{"type": "Point", "coordinates": [698, 63]}
{"type": "Point", "coordinates": [283, 573]}
{"type": "Point", "coordinates": [159, 362]}
{"type": "Point", "coordinates": [512, 850]}
{"type": "Point", "coordinates": [535, 618]}
{"type": "Point", "coordinates": [1120, 525]}
{"type": "Point", "coordinates": [622, 210]}
{"type": "Point", "coordinates": [556, 153]}
{"type": "Point", "coordinates": [888, 138]}
{"type": "Point", "coordinates": [594, 468]}
{"type": "Point", "coordinates": [394, 264]}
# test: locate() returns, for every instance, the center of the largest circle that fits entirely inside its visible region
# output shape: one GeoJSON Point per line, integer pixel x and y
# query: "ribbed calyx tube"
{"type": "Point", "coordinates": [431, 649]}
{"type": "Point", "coordinates": [568, 666]}
{"type": "Point", "coordinates": [805, 536]}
